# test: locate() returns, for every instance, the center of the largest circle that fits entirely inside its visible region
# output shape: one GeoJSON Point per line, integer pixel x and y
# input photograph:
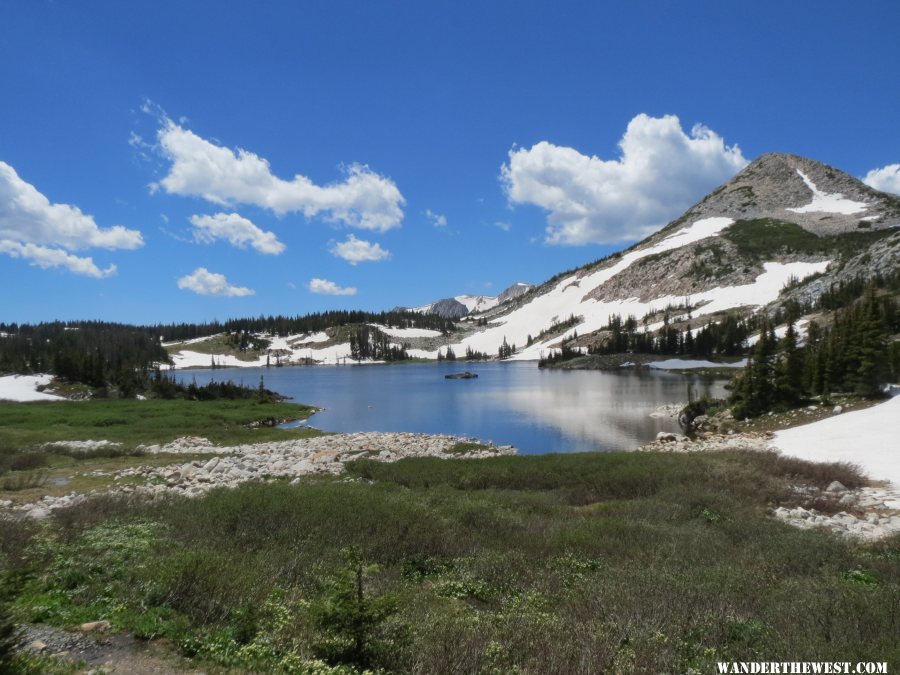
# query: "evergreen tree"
{"type": "Point", "coordinates": [869, 347]}
{"type": "Point", "coordinates": [789, 370]}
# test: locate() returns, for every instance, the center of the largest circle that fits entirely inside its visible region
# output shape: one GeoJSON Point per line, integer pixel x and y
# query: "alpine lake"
{"type": "Point", "coordinates": [535, 410]}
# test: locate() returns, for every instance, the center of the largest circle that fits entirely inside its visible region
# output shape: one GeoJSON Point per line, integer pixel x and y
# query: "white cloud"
{"type": "Point", "coordinates": [325, 287]}
{"type": "Point", "coordinates": [503, 225]}
{"type": "Point", "coordinates": [364, 199]}
{"type": "Point", "coordinates": [437, 219]}
{"type": "Point", "coordinates": [34, 229]}
{"type": "Point", "coordinates": [660, 173]}
{"type": "Point", "coordinates": [355, 251]}
{"type": "Point", "coordinates": [237, 230]}
{"type": "Point", "coordinates": [886, 179]}
{"type": "Point", "coordinates": [204, 282]}
{"type": "Point", "coordinates": [45, 258]}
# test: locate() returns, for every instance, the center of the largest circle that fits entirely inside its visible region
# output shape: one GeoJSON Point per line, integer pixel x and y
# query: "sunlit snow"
{"type": "Point", "coordinates": [24, 388]}
{"type": "Point", "coordinates": [827, 203]}
{"type": "Point", "coordinates": [869, 438]}
{"type": "Point", "coordinates": [407, 332]}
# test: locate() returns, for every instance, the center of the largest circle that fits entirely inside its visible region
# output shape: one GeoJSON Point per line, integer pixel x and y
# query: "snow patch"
{"type": "Point", "coordinates": [407, 332]}
{"type": "Point", "coordinates": [800, 327]}
{"type": "Point", "coordinates": [684, 364]}
{"type": "Point", "coordinates": [868, 438]}
{"type": "Point", "coordinates": [192, 341]}
{"type": "Point", "coordinates": [321, 336]}
{"type": "Point", "coordinates": [823, 202]}
{"type": "Point", "coordinates": [477, 303]}
{"type": "Point", "coordinates": [23, 388]}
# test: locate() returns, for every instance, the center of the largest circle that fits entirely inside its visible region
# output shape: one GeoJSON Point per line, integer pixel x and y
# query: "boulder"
{"type": "Point", "coordinates": [95, 627]}
{"type": "Point", "coordinates": [835, 486]}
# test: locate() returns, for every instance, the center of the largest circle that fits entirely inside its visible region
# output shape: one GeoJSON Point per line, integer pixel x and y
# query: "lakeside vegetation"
{"type": "Point", "coordinates": [120, 360]}
{"type": "Point", "coordinates": [606, 562]}
{"type": "Point", "coordinates": [27, 426]}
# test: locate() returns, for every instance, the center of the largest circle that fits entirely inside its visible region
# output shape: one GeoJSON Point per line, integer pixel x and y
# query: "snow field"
{"type": "Point", "coordinates": [869, 438]}
{"type": "Point", "coordinates": [22, 388]}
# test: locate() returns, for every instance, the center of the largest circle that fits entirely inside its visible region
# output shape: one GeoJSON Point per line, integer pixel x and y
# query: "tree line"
{"type": "Point", "coordinates": [367, 342]}
{"type": "Point", "coordinates": [855, 355]}
{"type": "Point", "coordinates": [95, 353]}
{"type": "Point", "coordinates": [308, 323]}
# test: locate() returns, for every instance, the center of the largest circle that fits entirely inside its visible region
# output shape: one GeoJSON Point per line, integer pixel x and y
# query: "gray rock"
{"type": "Point", "coordinates": [835, 486]}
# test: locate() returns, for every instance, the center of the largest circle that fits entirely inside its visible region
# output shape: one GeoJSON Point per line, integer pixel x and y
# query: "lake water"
{"type": "Point", "coordinates": [517, 404]}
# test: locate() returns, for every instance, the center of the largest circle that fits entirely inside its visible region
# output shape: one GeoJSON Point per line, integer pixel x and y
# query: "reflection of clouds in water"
{"type": "Point", "coordinates": [599, 410]}
{"type": "Point", "coordinates": [534, 410]}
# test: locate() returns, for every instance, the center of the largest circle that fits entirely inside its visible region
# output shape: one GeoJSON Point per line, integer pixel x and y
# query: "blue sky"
{"type": "Point", "coordinates": [407, 150]}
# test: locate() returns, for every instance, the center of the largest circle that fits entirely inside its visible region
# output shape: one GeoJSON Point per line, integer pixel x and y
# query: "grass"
{"type": "Point", "coordinates": [761, 238]}
{"type": "Point", "coordinates": [27, 426]}
{"type": "Point", "coordinates": [216, 345]}
{"type": "Point", "coordinates": [65, 474]}
{"type": "Point", "coordinates": [583, 563]}
{"type": "Point", "coordinates": [29, 470]}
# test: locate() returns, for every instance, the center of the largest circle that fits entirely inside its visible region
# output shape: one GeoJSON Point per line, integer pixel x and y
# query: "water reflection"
{"type": "Point", "coordinates": [510, 403]}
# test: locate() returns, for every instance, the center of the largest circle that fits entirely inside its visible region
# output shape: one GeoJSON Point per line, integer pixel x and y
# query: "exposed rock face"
{"type": "Point", "coordinates": [881, 258]}
{"type": "Point", "coordinates": [449, 308]}
{"type": "Point", "coordinates": [514, 291]}
{"type": "Point", "coordinates": [462, 305]}
{"type": "Point", "coordinates": [772, 187]}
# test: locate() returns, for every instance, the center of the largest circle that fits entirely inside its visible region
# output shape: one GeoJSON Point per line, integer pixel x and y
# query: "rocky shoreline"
{"type": "Point", "coordinates": [278, 460]}
{"type": "Point", "coordinates": [866, 513]}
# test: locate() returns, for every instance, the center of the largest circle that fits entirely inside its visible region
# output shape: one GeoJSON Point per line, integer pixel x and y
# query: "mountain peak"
{"type": "Point", "coordinates": [819, 198]}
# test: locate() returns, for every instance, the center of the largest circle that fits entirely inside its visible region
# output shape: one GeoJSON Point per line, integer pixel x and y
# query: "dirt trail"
{"type": "Point", "coordinates": [109, 654]}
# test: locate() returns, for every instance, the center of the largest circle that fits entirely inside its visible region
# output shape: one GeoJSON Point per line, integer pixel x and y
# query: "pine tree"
{"type": "Point", "coordinates": [869, 348]}
{"type": "Point", "coordinates": [789, 370]}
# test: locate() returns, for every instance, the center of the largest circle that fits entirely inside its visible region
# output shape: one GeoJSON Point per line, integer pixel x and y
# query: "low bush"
{"type": "Point", "coordinates": [584, 563]}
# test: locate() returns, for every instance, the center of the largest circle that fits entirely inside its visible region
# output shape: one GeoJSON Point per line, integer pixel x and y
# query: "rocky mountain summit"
{"type": "Point", "coordinates": [819, 198]}
{"type": "Point", "coordinates": [461, 306]}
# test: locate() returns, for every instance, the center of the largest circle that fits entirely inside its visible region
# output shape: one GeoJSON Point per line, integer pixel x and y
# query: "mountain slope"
{"type": "Point", "coordinates": [785, 228]}
{"type": "Point", "coordinates": [783, 219]}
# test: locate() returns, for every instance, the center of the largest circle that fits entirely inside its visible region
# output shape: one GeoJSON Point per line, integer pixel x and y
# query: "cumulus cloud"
{"type": "Point", "coordinates": [45, 258]}
{"type": "Point", "coordinates": [886, 179]}
{"type": "Point", "coordinates": [355, 251]}
{"type": "Point", "coordinates": [364, 199]}
{"type": "Point", "coordinates": [236, 230]}
{"type": "Point", "coordinates": [204, 282]}
{"type": "Point", "coordinates": [32, 228]}
{"type": "Point", "coordinates": [437, 219]}
{"type": "Point", "coordinates": [661, 171]}
{"type": "Point", "coordinates": [325, 287]}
